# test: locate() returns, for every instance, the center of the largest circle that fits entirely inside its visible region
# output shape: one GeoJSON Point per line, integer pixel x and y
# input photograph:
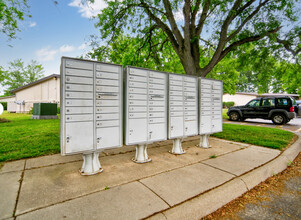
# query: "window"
{"type": "Point", "coordinates": [254, 103]}
{"type": "Point", "coordinates": [282, 102]}
{"type": "Point", "coordinates": [268, 102]}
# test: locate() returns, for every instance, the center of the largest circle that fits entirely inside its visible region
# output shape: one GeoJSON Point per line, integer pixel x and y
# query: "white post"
{"type": "Point", "coordinates": [141, 154]}
{"type": "Point", "coordinates": [177, 147]}
{"type": "Point", "coordinates": [204, 141]}
{"type": "Point", "coordinates": [91, 164]}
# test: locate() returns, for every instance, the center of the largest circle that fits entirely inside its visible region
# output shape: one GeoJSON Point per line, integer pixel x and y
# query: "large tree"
{"type": "Point", "coordinates": [18, 74]}
{"type": "Point", "coordinates": [193, 27]}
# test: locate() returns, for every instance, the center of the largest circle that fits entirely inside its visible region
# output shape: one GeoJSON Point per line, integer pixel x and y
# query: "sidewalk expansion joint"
{"type": "Point", "coordinates": [244, 183]}
{"type": "Point", "coordinates": [225, 171]}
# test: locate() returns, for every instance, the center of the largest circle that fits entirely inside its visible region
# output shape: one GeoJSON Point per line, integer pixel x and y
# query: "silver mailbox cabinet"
{"type": "Point", "coordinates": [145, 109]}
{"type": "Point", "coordinates": [210, 108]}
{"type": "Point", "coordinates": [183, 109]}
{"type": "Point", "coordinates": [91, 109]}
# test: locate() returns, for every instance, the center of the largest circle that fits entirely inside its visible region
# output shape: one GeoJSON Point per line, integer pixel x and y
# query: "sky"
{"type": "Point", "coordinates": [52, 32]}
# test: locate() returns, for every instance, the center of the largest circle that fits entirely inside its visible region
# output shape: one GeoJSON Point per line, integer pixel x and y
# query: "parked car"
{"type": "Point", "coordinates": [279, 109]}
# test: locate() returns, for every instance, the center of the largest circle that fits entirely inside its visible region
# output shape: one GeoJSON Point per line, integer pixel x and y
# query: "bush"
{"type": "Point", "coordinates": [228, 104]}
{"type": "Point", "coordinates": [58, 110]}
{"type": "Point", "coordinates": [30, 111]}
{"type": "Point", "coordinates": [4, 105]}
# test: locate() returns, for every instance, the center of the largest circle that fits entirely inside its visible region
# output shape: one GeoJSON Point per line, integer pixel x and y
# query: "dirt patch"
{"type": "Point", "coordinates": [4, 120]}
{"type": "Point", "coordinates": [275, 186]}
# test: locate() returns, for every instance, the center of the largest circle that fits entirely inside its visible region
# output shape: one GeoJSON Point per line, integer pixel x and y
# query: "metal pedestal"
{"type": "Point", "coordinates": [177, 147]}
{"type": "Point", "coordinates": [204, 141]}
{"type": "Point", "coordinates": [141, 154]}
{"type": "Point", "coordinates": [91, 164]}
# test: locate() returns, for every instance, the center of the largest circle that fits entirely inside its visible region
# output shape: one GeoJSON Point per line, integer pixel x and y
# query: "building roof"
{"type": "Point", "coordinates": [35, 82]}
{"type": "Point", "coordinates": [266, 94]}
{"type": "Point", "coordinates": [7, 97]}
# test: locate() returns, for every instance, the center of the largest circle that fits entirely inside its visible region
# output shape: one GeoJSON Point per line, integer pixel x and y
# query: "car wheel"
{"type": "Point", "coordinates": [234, 116]}
{"type": "Point", "coordinates": [279, 119]}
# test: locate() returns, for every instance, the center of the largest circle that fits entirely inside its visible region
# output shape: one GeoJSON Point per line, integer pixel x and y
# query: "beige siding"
{"type": "Point", "coordinates": [238, 99]}
{"type": "Point", "coordinates": [9, 99]}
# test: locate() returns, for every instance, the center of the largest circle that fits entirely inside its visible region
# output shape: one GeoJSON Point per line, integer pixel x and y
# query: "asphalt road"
{"type": "Point", "coordinates": [294, 125]}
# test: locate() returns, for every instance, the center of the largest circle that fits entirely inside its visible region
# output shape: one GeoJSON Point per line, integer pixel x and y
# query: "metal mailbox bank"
{"type": "Point", "coordinates": [145, 109]}
{"type": "Point", "coordinates": [91, 110]}
{"type": "Point", "coordinates": [210, 104]}
{"type": "Point", "coordinates": [183, 109]}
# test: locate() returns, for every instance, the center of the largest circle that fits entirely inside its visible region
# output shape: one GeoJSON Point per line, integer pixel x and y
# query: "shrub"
{"type": "Point", "coordinates": [228, 104]}
{"type": "Point", "coordinates": [58, 110]}
{"type": "Point", "coordinates": [4, 105]}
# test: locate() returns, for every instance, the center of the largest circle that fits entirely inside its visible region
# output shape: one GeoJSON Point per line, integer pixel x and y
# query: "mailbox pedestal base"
{"type": "Point", "coordinates": [204, 141]}
{"type": "Point", "coordinates": [141, 154]}
{"type": "Point", "coordinates": [91, 164]}
{"type": "Point", "coordinates": [177, 147]}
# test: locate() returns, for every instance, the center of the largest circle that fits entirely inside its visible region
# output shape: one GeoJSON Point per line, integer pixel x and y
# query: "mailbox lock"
{"type": "Point", "coordinates": [68, 79]}
{"type": "Point", "coordinates": [98, 140]}
{"type": "Point", "coordinates": [67, 139]}
{"type": "Point", "coordinates": [68, 110]}
{"type": "Point", "coordinates": [68, 87]}
{"type": "Point", "coordinates": [68, 94]}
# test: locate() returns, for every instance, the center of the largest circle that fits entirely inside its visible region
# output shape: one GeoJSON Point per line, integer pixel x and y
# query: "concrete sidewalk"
{"type": "Point", "coordinates": [187, 186]}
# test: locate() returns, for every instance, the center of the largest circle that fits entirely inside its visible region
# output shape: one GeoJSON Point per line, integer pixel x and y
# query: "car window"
{"type": "Point", "coordinates": [268, 102]}
{"type": "Point", "coordinates": [282, 102]}
{"type": "Point", "coordinates": [254, 103]}
{"type": "Point", "coordinates": [293, 101]}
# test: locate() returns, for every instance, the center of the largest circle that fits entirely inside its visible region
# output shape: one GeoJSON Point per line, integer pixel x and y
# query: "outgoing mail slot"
{"type": "Point", "coordinates": [156, 120]}
{"type": "Point", "coordinates": [107, 89]}
{"type": "Point", "coordinates": [71, 102]}
{"type": "Point", "coordinates": [175, 77]}
{"type": "Point", "coordinates": [138, 103]}
{"type": "Point", "coordinates": [137, 72]}
{"type": "Point", "coordinates": [156, 92]}
{"type": "Point", "coordinates": [177, 88]}
{"type": "Point", "coordinates": [138, 115]}
{"type": "Point", "coordinates": [138, 78]}
{"type": "Point", "coordinates": [79, 64]}
{"type": "Point", "coordinates": [77, 72]}
{"type": "Point", "coordinates": [137, 85]}
{"type": "Point", "coordinates": [156, 103]}
{"type": "Point", "coordinates": [79, 110]}
{"type": "Point", "coordinates": [107, 82]}
{"type": "Point", "coordinates": [156, 86]}
{"type": "Point", "coordinates": [176, 98]}
{"type": "Point", "coordinates": [137, 96]}
{"type": "Point", "coordinates": [157, 75]}
{"type": "Point", "coordinates": [107, 116]}
{"type": "Point", "coordinates": [79, 80]}
{"type": "Point", "coordinates": [81, 88]}
{"type": "Point", "coordinates": [156, 114]}
{"type": "Point", "coordinates": [108, 68]}
{"type": "Point", "coordinates": [79, 95]}
{"type": "Point", "coordinates": [110, 123]}
{"type": "Point", "coordinates": [175, 83]}
{"type": "Point", "coordinates": [137, 90]}
{"type": "Point", "coordinates": [107, 95]}
{"type": "Point", "coordinates": [157, 109]}
{"type": "Point", "coordinates": [104, 75]}
{"type": "Point", "coordinates": [157, 81]}
{"type": "Point", "coordinates": [176, 113]}
{"type": "Point", "coordinates": [107, 109]}
{"type": "Point", "coordinates": [138, 109]}
{"type": "Point", "coordinates": [176, 108]}
{"type": "Point", "coordinates": [74, 118]}
{"type": "Point", "coordinates": [107, 103]}
{"type": "Point", "coordinates": [104, 137]}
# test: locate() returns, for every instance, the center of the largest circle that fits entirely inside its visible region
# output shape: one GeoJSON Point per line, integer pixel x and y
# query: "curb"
{"type": "Point", "coordinates": [210, 201]}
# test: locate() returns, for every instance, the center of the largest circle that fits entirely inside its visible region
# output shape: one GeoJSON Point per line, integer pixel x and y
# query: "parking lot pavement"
{"type": "Point", "coordinates": [294, 125]}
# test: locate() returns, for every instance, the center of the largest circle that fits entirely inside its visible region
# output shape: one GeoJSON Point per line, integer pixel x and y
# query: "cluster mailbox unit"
{"type": "Point", "coordinates": [145, 109]}
{"type": "Point", "coordinates": [183, 109]}
{"type": "Point", "coordinates": [91, 109]}
{"type": "Point", "coordinates": [210, 102]}
{"type": "Point", "coordinates": [157, 106]}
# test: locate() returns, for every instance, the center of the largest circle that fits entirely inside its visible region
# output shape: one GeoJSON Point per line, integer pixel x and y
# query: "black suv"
{"type": "Point", "coordinates": [278, 109]}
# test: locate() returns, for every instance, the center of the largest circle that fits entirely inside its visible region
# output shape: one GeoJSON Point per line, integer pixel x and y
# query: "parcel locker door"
{"type": "Point", "coordinates": [176, 127]}
{"type": "Point", "coordinates": [137, 131]}
{"type": "Point", "coordinates": [217, 125]}
{"type": "Point", "coordinates": [205, 124]}
{"type": "Point", "coordinates": [79, 137]}
{"type": "Point", "coordinates": [108, 137]}
{"type": "Point", "coordinates": [157, 132]}
{"type": "Point", "coordinates": [190, 128]}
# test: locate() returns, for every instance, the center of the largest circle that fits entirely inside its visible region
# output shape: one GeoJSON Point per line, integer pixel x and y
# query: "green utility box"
{"type": "Point", "coordinates": [44, 111]}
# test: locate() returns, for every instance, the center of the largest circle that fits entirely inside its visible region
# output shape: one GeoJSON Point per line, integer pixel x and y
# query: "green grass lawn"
{"type": "Point", "coordinates": [23, 137]}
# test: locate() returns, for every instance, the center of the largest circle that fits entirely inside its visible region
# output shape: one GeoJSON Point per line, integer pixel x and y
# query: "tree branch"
{"type": "Point", "coordinates": [203, 18]}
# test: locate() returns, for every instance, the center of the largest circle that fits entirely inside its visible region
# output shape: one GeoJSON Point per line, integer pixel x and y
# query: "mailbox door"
{"type": "Point", "coordinates": [176, 127]}
{"type": "Point", "coordinates": [137, 131]}
{"type": "Point", "coordinates": [105, 139]}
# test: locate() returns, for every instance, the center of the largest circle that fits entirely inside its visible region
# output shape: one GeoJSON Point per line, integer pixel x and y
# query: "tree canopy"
{"type": "Point", "coordinates": [197, 28]}
{"type": "Point", "coordinates": [17, 74]}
